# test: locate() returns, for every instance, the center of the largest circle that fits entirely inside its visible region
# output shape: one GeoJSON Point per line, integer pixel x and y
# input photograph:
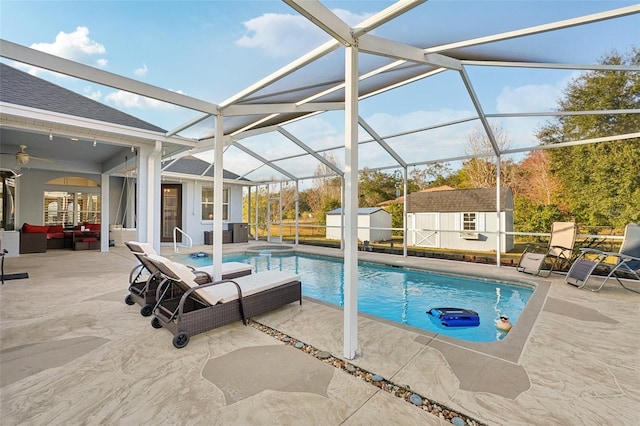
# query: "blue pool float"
{"type": "Point", "coordinates": [455, 317]}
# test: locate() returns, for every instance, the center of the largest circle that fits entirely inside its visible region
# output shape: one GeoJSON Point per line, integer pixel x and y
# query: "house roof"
{"type": "Point", "coordinates": [194, 166]}
{"type": "Point", "coordinates": [20, 88]}
{"type": "Point", "coordinates": [459, 200]}
{"type": "Point", "coordinates": [400, 199]}
{"type": "Point", "coordinates": [361, 211]}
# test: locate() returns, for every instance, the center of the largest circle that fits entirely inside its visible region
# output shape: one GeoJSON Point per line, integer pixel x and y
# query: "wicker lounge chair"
{"type": "Point", "coordinates": [145, 277]}
{"type": "Point", "coordinates": [196, 308]}
{"type": "Point", "coordinates": [627, 260]}
{"type": "Point", "coordinates": [536, 258]}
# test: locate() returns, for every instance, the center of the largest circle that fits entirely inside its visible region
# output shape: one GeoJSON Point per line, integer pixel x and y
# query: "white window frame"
{"type": "Point", "coordinates": [208, 202]}
{"type": "Point", "coordinates": [469, 221]}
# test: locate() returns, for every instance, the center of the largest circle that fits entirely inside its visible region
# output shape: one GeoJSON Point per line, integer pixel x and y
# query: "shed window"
{"type": "Point", "coordinates": [469, 222]}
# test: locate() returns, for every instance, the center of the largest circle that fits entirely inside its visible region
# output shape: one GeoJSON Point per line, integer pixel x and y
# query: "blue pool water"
{"type": "Point", "coordinates": [399, 294]}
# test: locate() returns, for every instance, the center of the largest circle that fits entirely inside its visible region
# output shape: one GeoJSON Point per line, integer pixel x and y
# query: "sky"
{"type": "Point", "coordinates": [214, 49]}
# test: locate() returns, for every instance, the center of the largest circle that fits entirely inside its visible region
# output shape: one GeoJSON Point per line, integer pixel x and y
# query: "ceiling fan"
{"type": "Point", "coordinates": [22, 157]}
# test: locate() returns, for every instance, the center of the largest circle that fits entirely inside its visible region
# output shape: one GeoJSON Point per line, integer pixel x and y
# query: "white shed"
{"type": "Point", "coordinates": [460, 219]}
{"type": "Point", "coordinates": [374, 224]}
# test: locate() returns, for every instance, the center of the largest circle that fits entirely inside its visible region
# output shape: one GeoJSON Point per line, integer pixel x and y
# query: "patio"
{"type": "Point", "coordinates": [72, 352]}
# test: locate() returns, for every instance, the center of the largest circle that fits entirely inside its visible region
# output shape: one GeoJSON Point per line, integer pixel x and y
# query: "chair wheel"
{"type": "Point", "coordinates": [155, 323]}
{"type": "Point", "coordinates": [128, 300]}
{"type": "Point", "coordinates": [180, 340]}
{"type": "Point", "coordinates": [146, 310]}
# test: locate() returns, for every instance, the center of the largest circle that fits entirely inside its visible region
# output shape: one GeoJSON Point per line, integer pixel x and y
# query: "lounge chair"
{"type": "Point", "coordinates": [627, 260]}
{"type": "Point", "coordinates": [535, 257]}
{"type": "Point", "coordinates": [145, 277]}
{"type": "Point", "coordinates": [196, 308]}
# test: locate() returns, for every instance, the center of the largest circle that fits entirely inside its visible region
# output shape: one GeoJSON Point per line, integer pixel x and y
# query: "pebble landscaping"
{"type": "Point", "coordinates": [377, 380]}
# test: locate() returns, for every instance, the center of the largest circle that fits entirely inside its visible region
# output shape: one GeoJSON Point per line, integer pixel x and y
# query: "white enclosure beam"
{"type": "Point", "coordinates": [601, 16]}
{"type": "Point", "coordinates": [350, 207]}
{"type": "Point", "coordinates": [614, 138]}
{"type": "Point", "coordinates": [478, 107]}
{"type": "Point", "coordinates": [324, 19]}
{"type": "Point", "coordinates": [367, 25]}
{"type": "Point", "coordinates": [264, 160]}
{"type": "Point", "coordinates": [384, 16]}
{"type": "Point", "coordinates": [381, 142]}
{"type": "Point", "coordinates": [553, 66]}
{"type": "Point", "coordinates": [301, 62]}
{"type": "Point", "coordinates": [49, 62]}
{"type": "Point", "coordinates": [392, 49]}
{"type": "Point", "coordinates": [310, 151]}
{"type": "Point", "coordinates": [217, 199]}
{"type": "Point", "coordinates": [256, 109]}
{"type": "Point", "coordinates": [498, 220]}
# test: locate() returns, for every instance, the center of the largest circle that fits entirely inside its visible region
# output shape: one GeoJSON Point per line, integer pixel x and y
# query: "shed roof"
{"type": "Point", "coordinates": [361, 211]}
{"type": "Point", "coordinates": [459, 200]}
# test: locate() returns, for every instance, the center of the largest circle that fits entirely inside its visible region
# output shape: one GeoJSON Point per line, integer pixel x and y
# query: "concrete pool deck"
{"type": "Point", "coordinates": [72, 352]}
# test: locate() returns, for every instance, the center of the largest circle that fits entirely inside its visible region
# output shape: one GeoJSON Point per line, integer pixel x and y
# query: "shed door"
{"type": "Point", "coordinates": [425, 232]}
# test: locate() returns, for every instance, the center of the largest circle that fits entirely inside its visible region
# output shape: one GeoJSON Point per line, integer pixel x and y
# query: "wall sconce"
{"type": "Point", "coordinates": [95, 142]}
{"type": "Point", "coordinates": [50, 135]}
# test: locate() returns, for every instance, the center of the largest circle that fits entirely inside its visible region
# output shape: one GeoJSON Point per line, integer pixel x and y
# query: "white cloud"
{"type": "Point", "coordinates": [92, 94]}
{"type": "Point", "coordinates": [285, 35]}
{"type": "Point", "coordinates": [523, 99]}
{"type": "Point", "coordinates": [76, 46]}
{"type": "Point", "coordinates": [528, 98]}
{"type": "Point", "coordinates": [141, 71]}
{"type": "Point", "coordinates": [130, 100]}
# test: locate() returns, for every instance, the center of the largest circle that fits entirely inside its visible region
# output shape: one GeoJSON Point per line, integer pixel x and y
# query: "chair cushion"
{"type": "Point", "coordinates": [54, 229]}
{"type": "Point", "coordinates": [532, 261]}
{"type": "Point", "coordinates": [250, 284]}
{"type": "Point", "coordinates": [34, 229]}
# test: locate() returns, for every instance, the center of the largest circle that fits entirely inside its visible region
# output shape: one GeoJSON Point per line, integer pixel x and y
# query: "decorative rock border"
{"type": "Point", "coordinates": [404, 392]}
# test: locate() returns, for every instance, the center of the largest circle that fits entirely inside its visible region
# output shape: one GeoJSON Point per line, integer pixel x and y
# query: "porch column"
{"type": "Point", "coordinates": [104, 212]}
{"type": "Point", "coordinates": [217, 198]}
{"type": "Point", "coordinates": [148, 200]}
{"type": "Point", "coordinates": [350, 207]}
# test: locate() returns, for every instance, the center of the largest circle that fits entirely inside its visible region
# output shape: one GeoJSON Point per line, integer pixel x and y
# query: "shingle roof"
{"type": "Point", "coordinates": [20, 88]}
{"type": "Point", "coordinates": [194, 166]}
{"type": "Point", "coordinates": [459, 200]}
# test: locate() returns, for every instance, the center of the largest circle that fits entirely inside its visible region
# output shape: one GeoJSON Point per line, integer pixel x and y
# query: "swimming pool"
{"type": "Point", "coordinates": [399, 294]}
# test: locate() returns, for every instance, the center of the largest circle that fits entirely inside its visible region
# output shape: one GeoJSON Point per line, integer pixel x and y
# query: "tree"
{"type": "Point", "coordinates": [481, 172]}
{"type": "Point", "coordinates": [375, 187]}
{"type": "Point", "coordinates": [326, 189]}
{"type": "Point", "coordinates": [429, 176]}
{"type": "Point", "coordinates": [535, 180]}
{"type": "Point", "coordinates": [395, 209]}
{"type": "Point", "coordinates": [600, 182]}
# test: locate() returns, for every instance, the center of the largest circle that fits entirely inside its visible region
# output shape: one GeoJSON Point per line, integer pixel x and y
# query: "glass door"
{"type": "Point", "coordinates": [170, 212]}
